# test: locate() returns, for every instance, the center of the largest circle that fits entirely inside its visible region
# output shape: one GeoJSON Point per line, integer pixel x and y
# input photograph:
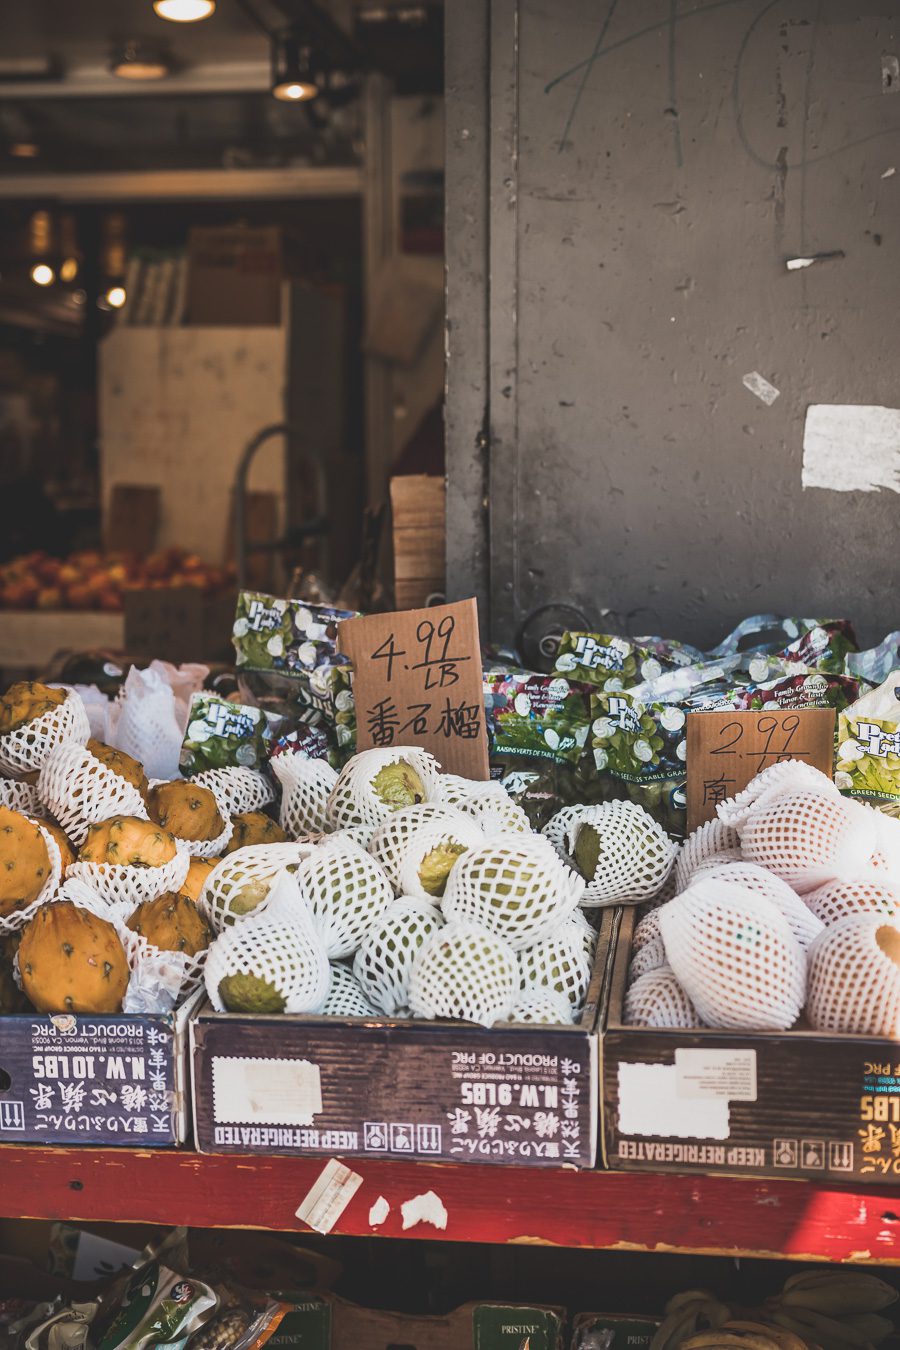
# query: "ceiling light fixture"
{"type": "Point", "coordinates": [293, 80]}
{"type": "Point", "coordinates": [184, 11]}
{"type": "Point", "coordinates": [42, 275]}
{"type": "Point", "coordinates": [116, 297]}
{"type": "Point", "coordinates": [139, 60]}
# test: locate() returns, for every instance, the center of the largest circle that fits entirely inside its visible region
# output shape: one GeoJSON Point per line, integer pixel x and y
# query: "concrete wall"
{"type": "Point", "coordinates": [648, 169]}
{"type": "Point", "coordinates": [177, 408]}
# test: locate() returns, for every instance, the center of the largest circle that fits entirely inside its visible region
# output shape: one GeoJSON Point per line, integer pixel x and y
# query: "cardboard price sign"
{"type": "Point", "coordinates": [417, 681]}
{"type": "Point", "coordinates": [726, 749]}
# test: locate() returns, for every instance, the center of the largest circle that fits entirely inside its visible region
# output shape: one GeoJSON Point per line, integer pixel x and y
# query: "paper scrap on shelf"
{"type": "Point", "coordinates": [649, 1104]}
{"type": "Point", "coordinates": [379, 1212]}
{"type": "Point", "coordinates": [794, 265]}
{"type": "Point", "coordinates": [889, 173]}
{"type": "Point", "coordinates": [427, 1208]}
{"type": "Point", "coordinates": [329, 1196]}
{"type": "Point", "coordinates": [851, 448]}
{"type": "Point", "coordinates": [760, 386]}
{"type": "Point", "coordinates": [265, 1091]}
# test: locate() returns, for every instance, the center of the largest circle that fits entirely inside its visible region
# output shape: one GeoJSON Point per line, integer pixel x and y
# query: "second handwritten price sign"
{"type": "Point", "coordinates": [726, 749]}
{"type": "Point", "coordinates": [417, 681]}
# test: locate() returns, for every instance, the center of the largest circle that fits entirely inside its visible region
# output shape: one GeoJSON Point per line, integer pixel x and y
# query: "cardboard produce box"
{"type": "Point", "coordinates": [329, 1323]}
{"type": "Point", "coordinates": [613, 1331]}
{"type": "Point", "coordinates": [778, 1104]}
{"type": "Point", "coordinates": [366, 1087]}
{"type": "Point", "coordinates": [234, 275]}
{"type": "Point", "coordinates": [110, 1078]}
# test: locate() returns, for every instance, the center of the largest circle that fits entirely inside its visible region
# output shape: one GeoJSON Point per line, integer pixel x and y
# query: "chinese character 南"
{"type": "Point", "coordinates": [716, 790]}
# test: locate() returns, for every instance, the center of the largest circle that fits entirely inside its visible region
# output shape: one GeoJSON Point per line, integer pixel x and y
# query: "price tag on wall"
{"type": "Point", "coordinates": [726, 749]}
{"type": "Point", "coordinates": [417, 681]}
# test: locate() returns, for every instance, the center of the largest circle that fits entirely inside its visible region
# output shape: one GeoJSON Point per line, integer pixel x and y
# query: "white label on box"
{"type": "Point", "coordinates": [265, 1091]}
{"type": "Point", "coordinates": [329, 1196]}
{"type": "Point", "coordinates": [716, 1075]}
{"type": "Point", "coordinates": [650, 1104]}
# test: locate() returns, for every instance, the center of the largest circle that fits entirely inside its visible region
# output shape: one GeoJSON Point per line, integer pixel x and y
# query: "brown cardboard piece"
{"type": "Point", "coordinates": [725, 750]}
{"type": "Point", "coordinates": [417, 681]}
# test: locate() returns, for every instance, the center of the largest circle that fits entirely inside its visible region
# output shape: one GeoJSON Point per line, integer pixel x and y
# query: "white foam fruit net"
{"type": "Point", "coordinates": [808, 838]}
{"type": "Point", "coordinates": [389, 841]}
{"type": "Point", "coordinates": [658, 1000]}
{"type": "Point", "coordinates": [714, 840]}
{"type": "Point", "coordinates": [560, 963]}
{"type": "Point", "coordinates": [778, 780]}
{"type": "Point", "coordinates": [516, 886]}
{"type": "Point", "coordinates": [635, 854]}
{"type": "Point", "coordinates": [586, 931]}
{"type": "Point", "coordinates": [79, 791]}
{"type": "Point", "coordinates": [804, 925]}
{"type": "Point", "coordinates": [646, 930]}
{"type": "Point", "coordinates": [466, 973]}
{"type": "Point", "coordinates": [21, 797]}
{"type": "Point", "coordinates": [652, 956]}
{"type": "Point", "coordinates": [280, 947]}
{"type": "Point", "coordinates": [25, 749]}
{"type": "Point", "coordinates": [353, 799]}
{"type": "Point", "coordinates": [540, 1004]}
{"type": "Point", "coordinates": [11, 923]}
{"type": "Point", "coordinates": [385, 957]}
{"type": "Point", "coordinates": [558, 826]}
{"type": "Point", "coordinates": [886, 858]}
{"type": "Point", "coordinates": [239, 886]}
{"type": "Point", "coordinates": [488, 803]}
{"type": "Point", "coordinates": [854, 977]}
{"type": "Point", "coordinates": [433, 835]}
{"type": "Point", "coordinates": [733, 952]}
{"type": "Point", "coordinates": [305, 786]}
{"type": "Point", "coordinates": [237, 789]}
{"type": "Point", "coordinates": [347, 891]}
{"type": "Point", "coordinates": [346, 997]}
{"type": "Point", "coordinates": [840, 899]}
{"type": "Point", "coordinates": [126, 887]}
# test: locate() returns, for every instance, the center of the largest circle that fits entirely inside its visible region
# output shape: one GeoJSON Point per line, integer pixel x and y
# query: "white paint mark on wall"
{"type": "Point", "coordinates": [889, 173]}
{"type": "Point", "coordinates": [427, 1208]}
{"type": "Point", "coordinates": [890, 73]}
{"type": "Point", "coordinates": [379, 1212]}
{"type": "Point", "coordinates": [794, 265]}
{"type": "Point", "coordinates": [851, 448]}
{"type": "Point", "coordinates": [759, 385]}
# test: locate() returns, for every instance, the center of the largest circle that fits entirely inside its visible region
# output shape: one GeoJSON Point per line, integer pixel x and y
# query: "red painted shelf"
{"type": "Point", "coordinates": [619, 1212]}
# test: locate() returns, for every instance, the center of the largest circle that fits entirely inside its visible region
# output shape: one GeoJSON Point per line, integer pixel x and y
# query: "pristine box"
{"type": "Point", "coordinates": [329, 1323]}
{"type": "Point", "coordinates": [385, 1087]}
{"type": "Point", "coordinates": [612, 1331]}
{"type": "Point", "coordinates": [785, 1104]}
{"type": "Point", "coordinates": [110, 1078]}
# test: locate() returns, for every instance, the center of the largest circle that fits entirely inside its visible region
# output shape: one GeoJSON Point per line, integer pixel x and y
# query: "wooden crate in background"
{"type": "Point", "coordinates": [419, 516]}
